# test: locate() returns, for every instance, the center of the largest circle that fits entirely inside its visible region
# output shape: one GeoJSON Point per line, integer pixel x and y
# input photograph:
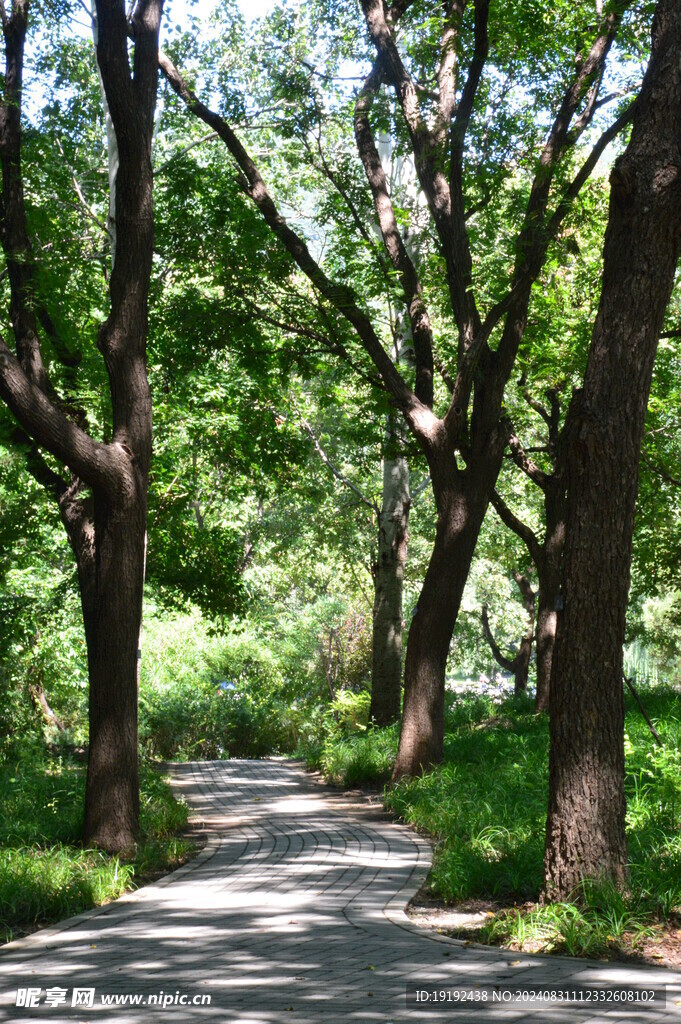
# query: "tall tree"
{"type": "Point", "coordinates": [102, 498]}
{"type": "Point", "coordinates": [547, 551]}
{"type": "Point", "coordinates": [585, 831]}
{"type": "Point", "coordinates": [464, 443]}
{"type": "Point", "coordinates": [388, 561]}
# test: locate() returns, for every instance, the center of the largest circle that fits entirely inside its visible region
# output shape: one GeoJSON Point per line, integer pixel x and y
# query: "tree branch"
{"type": "Point", "coordinates": [500, 658]}
{"type": "Point", "coordinates": [36, 465]}
{"type": "Point", "coordinates": [521, 458]}
{"type": "Point", "coordinates": [575, 186]}
{"type": "Point", "coordinates": [421, 330]}
{"type": "Point", "coordinates": [446, 72]}
{"type": "Point", "coordinates": [419, 490]}
{"type": "Point", "coordinates": [336, 472]}
{"type": "Point", "coordinates": [79, 192]}
{"type": "Point", "coordinates": [421, 420]}
{"type": "Point", "coordinates": [333, 345]}
{"type": "Point", "coordinates": [100, 465]}
{"type": "Point", "coordinates": [535, 234]}
{"type": "Point", "coordinates": [426, 157]}
{"type": "Point", "coordinates": [521, 530]}
{"type": "Point", "coordinates": [460, 242]}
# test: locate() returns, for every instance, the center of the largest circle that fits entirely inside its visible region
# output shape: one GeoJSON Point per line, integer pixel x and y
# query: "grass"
{"type": "Point", "coordinates": [485, 806]}
{"type": "Point", "coordinates": [363, 758]}
{"type": "Point", "coordinates": [45, 874]}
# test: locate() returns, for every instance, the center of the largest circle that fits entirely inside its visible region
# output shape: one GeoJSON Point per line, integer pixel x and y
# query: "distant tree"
{"type": "Point", "coordinates": [545, 551]}
{"type": "Point", "coordinates": [519, 664]}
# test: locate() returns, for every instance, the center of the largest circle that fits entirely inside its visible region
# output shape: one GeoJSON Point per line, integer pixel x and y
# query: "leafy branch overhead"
{"type": "Point", "coordinates": [433, 127]}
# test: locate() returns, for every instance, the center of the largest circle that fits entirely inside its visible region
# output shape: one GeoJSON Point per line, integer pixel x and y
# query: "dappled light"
{"type": "Point", "coordinates": [282, 914]}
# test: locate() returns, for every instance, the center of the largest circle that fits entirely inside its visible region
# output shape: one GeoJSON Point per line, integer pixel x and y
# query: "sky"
{"type": "Point", "coordinates": [251, 8]}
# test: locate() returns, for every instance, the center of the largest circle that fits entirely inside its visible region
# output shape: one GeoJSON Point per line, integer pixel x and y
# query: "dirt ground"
{"type": "Point", "coordinates": [464, 921]}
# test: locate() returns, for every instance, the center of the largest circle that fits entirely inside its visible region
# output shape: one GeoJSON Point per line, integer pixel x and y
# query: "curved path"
{"type": "Point", "coordinates": [292, 912]}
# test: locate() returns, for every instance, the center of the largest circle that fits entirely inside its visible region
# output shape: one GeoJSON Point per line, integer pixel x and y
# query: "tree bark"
{"type": "Point", "coordinates": [548, 595]}
{"type": "Point", "coordinates": [546, 637]}
{"type": "Point", "coordinates": [386, 654]}
{"type": "Point", "coordinates": [585, 831]}
{"type": "Point", "coordinates": [462, 501]}
{"type": "Point", "coordinates": [112, 579]}
{"type": "Point", "coordinates": [103, 499]}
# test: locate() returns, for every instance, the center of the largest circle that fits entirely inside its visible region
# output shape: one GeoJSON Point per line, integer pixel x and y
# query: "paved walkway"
{"type": "Point", "coordinates": [293, 912]}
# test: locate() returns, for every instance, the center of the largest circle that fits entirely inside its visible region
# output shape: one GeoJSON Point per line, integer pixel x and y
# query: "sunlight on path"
{"type": "Point", "coordinates": [293, 912]}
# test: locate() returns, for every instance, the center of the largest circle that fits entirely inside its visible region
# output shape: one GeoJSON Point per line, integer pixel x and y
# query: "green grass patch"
{"type": "Point", "coordinates": [592, 927]}
{"type": "Point", "coordinates": [363, 759]}
{"type": "Point", "coordinates": [45, 874]}
{"type": "Point", "coordinates": [485, 806]}
{"type": "Point", "coordinates": [339, 743]}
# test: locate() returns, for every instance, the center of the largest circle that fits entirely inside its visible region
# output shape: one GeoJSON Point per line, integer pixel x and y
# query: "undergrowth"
{"type": "Point", "coordinates": [45, 874]}
{"type": "Point", "coordinates": [485, 807]}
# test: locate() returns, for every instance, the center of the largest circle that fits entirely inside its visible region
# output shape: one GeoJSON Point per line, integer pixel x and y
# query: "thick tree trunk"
{"type": "Point", "coordinates": [585, 832]}
{"type": "Point", "coordinates": [386, 655]}
{"type": "Point", "coordinates": [106, 528]}
{"type": "Point", "coordinates": [112, 588]}
{"type": "Point", "coordinates": [461, 502]}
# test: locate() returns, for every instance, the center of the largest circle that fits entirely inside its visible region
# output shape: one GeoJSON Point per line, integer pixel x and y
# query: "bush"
{"type": "Point", "coordinates": [45, 874]}
{"type": "Point", "coordinates": [209, 695]}
{"type": "Point", "coordinates": [365, 758]}
{"type": "Point", "coordinates": [207, 721]}
{"type": "Point", "coordinates": [340, 744]}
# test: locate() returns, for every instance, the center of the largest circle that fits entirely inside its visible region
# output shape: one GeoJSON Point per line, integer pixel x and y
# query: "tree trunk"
{"type": "Point", "coordinates": [461, 502]}
{"type": "Point", "coordinates": [112, 588]}
{"type": "Point", "coordinates": [106, 527]}
{"type": "Point", "coordinates": [386, 655]}
{"type": "Point", "coordinates": [585, 832]}
{"type": "Point", "coordinates": [546, 636]}
{"type": "Point", "coordinates": [549, 566]}
{"type": "Point", "coordinates": [521, 666]}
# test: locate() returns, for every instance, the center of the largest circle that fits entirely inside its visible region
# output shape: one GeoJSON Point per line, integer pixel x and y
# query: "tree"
{"type": "Point", "coordinates": [519, 665]}
{"type": "Point", "coordinates": [388, 561]}
{"type": "Point", "coordinates": [546, 552]}
{"type": "Point", "coordinates": [464, 442]}
{"type": "Point", "coordinates": [585, 831]}
{"type": "Point", "coordinates": [103, 499]}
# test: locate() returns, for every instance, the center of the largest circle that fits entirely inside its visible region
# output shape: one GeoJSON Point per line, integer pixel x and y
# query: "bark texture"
{"type": "Point", "coordinates": [391, 557]}
{"type": "Point", "coordinates": [103, 498]}
{"type": "Point", "coordinates": [585, 832]}
{"type": "Point", "coordinates": [548, 601]}
{"type": "Point", "coordinates": [461, 504]}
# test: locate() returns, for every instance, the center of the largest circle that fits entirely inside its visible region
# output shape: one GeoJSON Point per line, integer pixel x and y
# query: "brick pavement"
{"type": "Point", "coordinates": [293, 912]}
